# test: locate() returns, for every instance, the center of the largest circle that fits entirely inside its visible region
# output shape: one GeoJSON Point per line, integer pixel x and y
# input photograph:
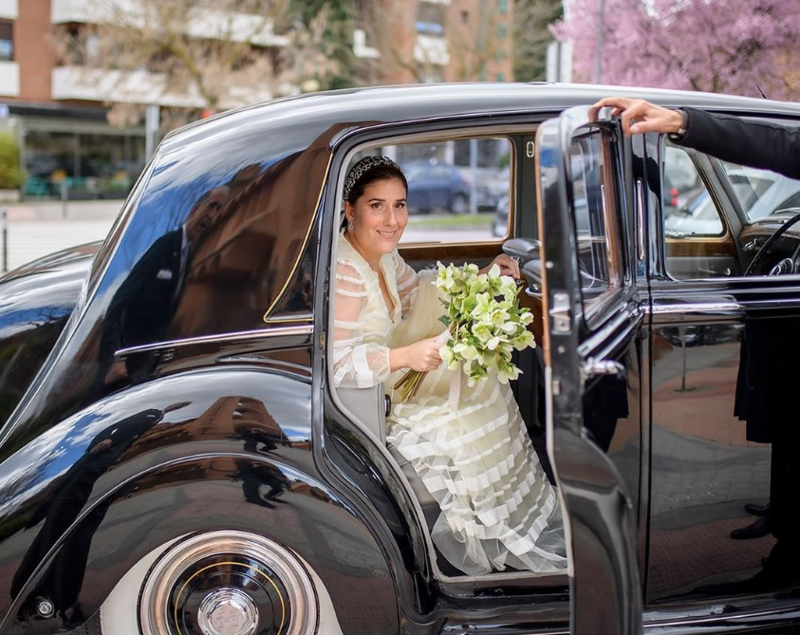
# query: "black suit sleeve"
{"type": "Point", "coordinates": [759, 145]}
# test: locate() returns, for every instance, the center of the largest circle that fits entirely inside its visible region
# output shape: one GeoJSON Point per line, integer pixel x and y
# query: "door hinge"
{"type": "Point", "coordinates": [561, 312]}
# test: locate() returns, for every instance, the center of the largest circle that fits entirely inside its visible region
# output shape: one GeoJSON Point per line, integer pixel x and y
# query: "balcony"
{"type": "Point", "coordinates": [429, 49]}
{"type": "Point", "coordinates": [9, 9]}
{"type": "Point", "coordinates": [139, 87]}
{"type": "Point", "coordinates": [9, 79]}
{"type": "Point", "coordinates": [208, 24]}
{"type": "Point", "coordinates": [64, 11]}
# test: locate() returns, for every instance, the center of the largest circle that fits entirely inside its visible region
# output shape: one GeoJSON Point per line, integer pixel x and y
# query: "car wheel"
{"type": "Point", "coordinates": [214, 583]}
{"type": "Point", "coordinates": [459, 204]}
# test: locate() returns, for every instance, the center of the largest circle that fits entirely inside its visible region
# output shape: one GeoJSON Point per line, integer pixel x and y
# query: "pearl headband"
{"type": "Point", "coordinates": [361, 168]}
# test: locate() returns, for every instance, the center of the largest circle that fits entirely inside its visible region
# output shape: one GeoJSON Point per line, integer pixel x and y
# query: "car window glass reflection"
{"type": "Point", "coordinates": [761, 192]}
{"type": "Point", "coordinates": [159, 276]}
{"type": "Point", "coordinates": [689, 208]}
{"type": "Point", "coordinates": [592, 186]}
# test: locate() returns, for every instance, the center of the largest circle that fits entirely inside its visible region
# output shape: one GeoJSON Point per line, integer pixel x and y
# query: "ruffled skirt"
{"type": "Point", "coordinates": [498, 509]}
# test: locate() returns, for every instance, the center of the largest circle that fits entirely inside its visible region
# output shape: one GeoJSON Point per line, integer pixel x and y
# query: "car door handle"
{"type": "Point", "coordinates": [641, 237]}
{"type": "Point", "coordinates": [534, 291]}
{"type": "Point", "coordinates": [593, 367]}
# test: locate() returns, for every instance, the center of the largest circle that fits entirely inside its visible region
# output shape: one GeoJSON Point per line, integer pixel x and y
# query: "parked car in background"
{"type": "Point", "coordinates": [437, 187]}
{"type": "Point", "coordinates": [500, 218]}
{"type": "Point", "coordinates": [175, 458]}
{"type": "Point", "coordinates": [445, 187]}
{"type": "Point", "coordinates": [760, 193]}
{"type": "Point", "coordinates": [697, 216]}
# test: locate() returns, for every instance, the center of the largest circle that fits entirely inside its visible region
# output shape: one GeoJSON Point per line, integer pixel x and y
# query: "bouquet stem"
{"type": "Point", "coordinates": [409, 384]}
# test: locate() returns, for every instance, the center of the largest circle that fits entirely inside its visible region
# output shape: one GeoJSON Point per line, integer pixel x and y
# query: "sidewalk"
{"type": "Point", "coordinates": [54, 210]}
{"type": "Point", "coordinates": [36, 229]}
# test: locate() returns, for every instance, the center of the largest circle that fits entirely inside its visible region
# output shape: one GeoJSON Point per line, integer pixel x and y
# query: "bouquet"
{"type": "Point", "coordinates": [485, 325]}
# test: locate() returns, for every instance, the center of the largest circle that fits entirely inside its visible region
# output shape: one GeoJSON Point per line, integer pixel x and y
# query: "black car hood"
{"type": "Point", "coordinates": [36, 301]}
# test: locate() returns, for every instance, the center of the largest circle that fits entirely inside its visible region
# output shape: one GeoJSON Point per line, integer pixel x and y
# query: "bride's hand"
{"type": "Point", "coordinates": [421, 356]}
{"type": "Point", "coordinates": [508, 266]}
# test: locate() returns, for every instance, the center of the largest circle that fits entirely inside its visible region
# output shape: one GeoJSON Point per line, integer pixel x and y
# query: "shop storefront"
{"type": "Point", "coordinates": [75, 149]}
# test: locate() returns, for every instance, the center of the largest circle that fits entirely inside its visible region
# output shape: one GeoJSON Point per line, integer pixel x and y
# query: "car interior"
{"type": "Point", "coordinates": [722, 220]}
{"type": "Point", "coordinates": [490, 165]}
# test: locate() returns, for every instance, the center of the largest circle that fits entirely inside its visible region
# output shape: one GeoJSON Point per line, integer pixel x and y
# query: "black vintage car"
{"type": "Point", "coordinates": [174, 459]}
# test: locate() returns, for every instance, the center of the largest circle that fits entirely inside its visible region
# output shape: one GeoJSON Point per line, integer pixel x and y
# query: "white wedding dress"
{"type": "Point", "coordinates": [498, 509]}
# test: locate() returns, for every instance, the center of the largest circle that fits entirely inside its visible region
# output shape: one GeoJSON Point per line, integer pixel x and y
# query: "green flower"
{"type": "Point", "coordinates": [483, 306]}
{"type": "Point", "coordinates": [466, 351]}
{"type": "Point", "coordinates": [500, 319]}
{"type": "Point", "coordinates": [507, 372]}
{"type": "Point", "coordinates": [483, 332]}
{"type": "Point", "coordinates": [523, 341]}
{"type": "Point", "coordinates": [448, 357]}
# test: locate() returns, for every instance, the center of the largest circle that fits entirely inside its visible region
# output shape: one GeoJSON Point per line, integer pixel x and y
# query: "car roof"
{"type": "Point", "coordinates": [393, 104]}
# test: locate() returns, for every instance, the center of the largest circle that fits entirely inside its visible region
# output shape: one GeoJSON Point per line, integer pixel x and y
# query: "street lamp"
{"type": "Point", "coordinates": [598, 58]}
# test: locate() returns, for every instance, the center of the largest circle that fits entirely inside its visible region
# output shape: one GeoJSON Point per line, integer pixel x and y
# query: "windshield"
{"type": "Point", "coordinates": [761, 192]}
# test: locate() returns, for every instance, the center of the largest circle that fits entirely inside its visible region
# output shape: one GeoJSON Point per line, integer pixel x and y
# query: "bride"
{"type": "Point", "coordinates": [474, 456]}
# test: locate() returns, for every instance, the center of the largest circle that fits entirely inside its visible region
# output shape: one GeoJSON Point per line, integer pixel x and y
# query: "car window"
{"type": "Point", "coordinates": [698, 244]}
{"type": "Point", "coordinates": [761, 192]}
{"type": "Point", "coordinates": [689, 209]}
{"type": "Point", "coordinates": [459, 190]}
{"type": "Point", "coordinates": [593, 186]}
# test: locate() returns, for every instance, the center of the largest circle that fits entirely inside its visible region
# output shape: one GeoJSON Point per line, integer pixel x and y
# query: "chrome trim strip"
{"type": "Point", "coordinates": [749, 619]}
{"type": "Point", "coordinates": [640, 233]}
{"type": "Point", "coordinates": [241, 336]}
{"type": "Point", "coordinates": [294, 318]}
{"type": "Point", "coordinates": [695, 307]}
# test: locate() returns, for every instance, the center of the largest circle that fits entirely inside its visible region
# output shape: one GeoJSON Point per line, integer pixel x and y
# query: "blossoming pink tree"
{"type": "Point", "coordinates": [727, 46]}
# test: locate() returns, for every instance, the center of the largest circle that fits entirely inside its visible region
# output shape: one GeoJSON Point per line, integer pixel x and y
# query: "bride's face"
{"type": "Point", "coordinates": [379, 217]}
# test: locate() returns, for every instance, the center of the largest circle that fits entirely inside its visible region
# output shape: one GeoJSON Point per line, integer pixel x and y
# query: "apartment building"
{"type": "Point", "coordinates": [58, 108]}
{"type": "Point", "coordinates": [447, 40]}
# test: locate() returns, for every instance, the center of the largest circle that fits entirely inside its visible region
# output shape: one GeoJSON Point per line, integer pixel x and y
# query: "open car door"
{"type": "Point", "coordinates": [593, 318]}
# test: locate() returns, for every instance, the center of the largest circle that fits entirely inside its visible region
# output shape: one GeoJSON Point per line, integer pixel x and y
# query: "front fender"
{"type": "Point", "coordinates": [50, 482]}
{"type": "Point", "coordinates": [210, 493]}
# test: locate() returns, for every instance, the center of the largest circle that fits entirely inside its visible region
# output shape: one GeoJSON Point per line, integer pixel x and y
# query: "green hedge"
{"type": "Point", "coordinates": [10, 172]}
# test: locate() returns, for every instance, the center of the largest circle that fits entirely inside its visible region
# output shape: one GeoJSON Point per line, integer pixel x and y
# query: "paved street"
{"type": "Point", "coordinates": [36, 229]}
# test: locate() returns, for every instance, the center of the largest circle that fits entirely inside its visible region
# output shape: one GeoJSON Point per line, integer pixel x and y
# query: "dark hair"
{"type": "Point", "coordinates": [378, 173]}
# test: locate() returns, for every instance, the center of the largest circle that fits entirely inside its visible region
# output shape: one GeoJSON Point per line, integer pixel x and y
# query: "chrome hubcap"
{"type": "Point", "coordinates": [227, 583]}
{"type": "Point", "coordinates": [228, 612]}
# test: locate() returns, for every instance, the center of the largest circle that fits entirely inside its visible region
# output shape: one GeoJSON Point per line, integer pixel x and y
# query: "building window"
{"type": "Point", "coordinates": [500, 77]}
{"type": "Point", "coordinates": [464, 17]}
{"type": "Point", "coordinates": [430, 19]}
{"type": "Point", "coordinates": [502, 6]}
{"type": "Point", "coordinates": [502, 31]}
{"type": "Point", "coordinates": [6, 41]}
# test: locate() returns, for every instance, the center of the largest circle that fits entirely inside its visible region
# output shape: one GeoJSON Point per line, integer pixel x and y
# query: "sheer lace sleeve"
{"type": "Point", "coordinates": [407, 282]}
{"type": "Point", "coordinates": [356, 363]}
